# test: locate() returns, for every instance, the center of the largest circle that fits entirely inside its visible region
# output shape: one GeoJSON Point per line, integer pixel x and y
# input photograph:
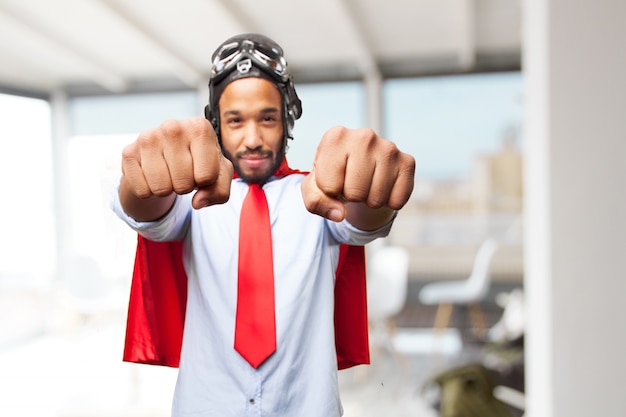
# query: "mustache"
{"type": "Point", "coordinates": [255, 153]}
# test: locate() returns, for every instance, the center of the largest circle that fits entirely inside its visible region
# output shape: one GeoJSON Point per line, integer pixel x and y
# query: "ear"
{"type": "Point", "coordinates": [208, 114]}
{"type": "Point", "coordinates": [215, 122]}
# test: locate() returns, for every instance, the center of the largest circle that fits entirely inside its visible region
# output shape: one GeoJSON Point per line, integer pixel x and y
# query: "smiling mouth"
{"type": "Point", "coordinates": [255, 161]}
{"type": "Point", "coordinates": [255, 158]}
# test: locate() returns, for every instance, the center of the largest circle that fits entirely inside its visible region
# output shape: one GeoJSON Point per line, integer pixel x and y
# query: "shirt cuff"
{"type": "Point", "coordinates": [169, 227]}
{"type": "Point", "coordinates": [345, 232]}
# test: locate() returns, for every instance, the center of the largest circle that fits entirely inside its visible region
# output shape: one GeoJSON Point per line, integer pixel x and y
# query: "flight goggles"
{"type": "Point", "coordinates": [268, 58]}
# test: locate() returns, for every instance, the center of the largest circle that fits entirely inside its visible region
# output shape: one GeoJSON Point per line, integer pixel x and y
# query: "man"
{"type": "Point", "coordinates": [192, 181]}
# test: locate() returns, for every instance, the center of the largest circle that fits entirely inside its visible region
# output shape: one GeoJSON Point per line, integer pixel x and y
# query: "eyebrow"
{"type": "Point", "coordinates": [267, 110]}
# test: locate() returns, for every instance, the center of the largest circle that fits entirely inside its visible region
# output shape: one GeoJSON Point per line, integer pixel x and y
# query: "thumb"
{"type": "Point", "coordinates": [317, 202]}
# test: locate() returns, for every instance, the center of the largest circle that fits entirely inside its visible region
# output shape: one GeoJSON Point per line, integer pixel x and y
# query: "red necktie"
{"type": "Point", "coordinates": [255, 326]}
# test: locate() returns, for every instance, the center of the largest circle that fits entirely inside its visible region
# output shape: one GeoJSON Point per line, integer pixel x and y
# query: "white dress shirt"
{"type": "Point", "coordinates": [300, 378]}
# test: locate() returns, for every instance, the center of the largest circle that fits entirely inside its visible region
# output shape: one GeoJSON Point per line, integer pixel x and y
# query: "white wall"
{"type": "Point", "coordinates": [575, 69]}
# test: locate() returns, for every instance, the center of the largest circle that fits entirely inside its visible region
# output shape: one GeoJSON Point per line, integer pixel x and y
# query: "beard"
{"type": "Point", "coordinates": [258, 177]}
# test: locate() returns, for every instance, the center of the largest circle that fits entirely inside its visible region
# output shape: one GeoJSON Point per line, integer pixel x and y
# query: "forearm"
{"type": "Point", "coordinates": [363, 217]}
{"type": "Point", "coordinates": [144, 210]}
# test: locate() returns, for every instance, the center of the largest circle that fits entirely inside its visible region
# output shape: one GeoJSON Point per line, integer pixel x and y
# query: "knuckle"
{"type": "Point", "coordinates": [183, 185]}
{"type": "Point", "coordinates": [355, 194]}
{"type": "Point", "coordinates": [400, 195]}
{"type": "Point", "coordinates": [409, 164]}
{"type": "Point", "coordinates": [129, 151]}
{"type": "Point", "coordinates": [208, 175]}
{"type": "Point", "coordinates": [205, 178]}
{"type": "Point", "coordinates": [388, 150]}
{"type": "Point", "coordinates": [199, 126]}
{"type": "Point", "coordinates": [330, 189]}
{"type": "Point", "coordinates": [367, 133]}
{"type": "Point", "coordinates": [334, 134]}
{"type": "Point", "coordinates": [337, 130]}
{"type": "Point", "coordinates": [146, 139]}
{"type": "Point", "coordinates": [171, 128]}
{"type": "Point", "coordinates": [129, 156]}
{"type": "Point", "coordinates": [365, 138]}
{"type": "Point", "coordinates": [161, 191]}
{"type": "Point", "coordinates": [396, 203]}
{"type": "Point", "coordinates": [142, 193]}
{"type": "Point", "coordinates": [376, 202]}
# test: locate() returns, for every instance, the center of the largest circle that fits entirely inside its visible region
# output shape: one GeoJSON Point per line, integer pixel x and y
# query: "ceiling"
{"type": "Point", "coordinates": [117, 46]}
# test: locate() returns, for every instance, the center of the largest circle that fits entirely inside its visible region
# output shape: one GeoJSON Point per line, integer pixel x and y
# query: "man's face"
{"type": "Point", "coordinates": [251, 128]}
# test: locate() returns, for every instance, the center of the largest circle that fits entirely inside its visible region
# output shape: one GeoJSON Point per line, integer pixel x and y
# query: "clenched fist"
{"type": "Point", "coordinates": [177, 157]}
{"type": "Point", "coordinates": [359, 176]}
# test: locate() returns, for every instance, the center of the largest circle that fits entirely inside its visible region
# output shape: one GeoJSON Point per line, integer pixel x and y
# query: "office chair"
{"type": "Point", "coordinates": [387, 282]}
{"type": "Point", "coordinates": [470, 291]}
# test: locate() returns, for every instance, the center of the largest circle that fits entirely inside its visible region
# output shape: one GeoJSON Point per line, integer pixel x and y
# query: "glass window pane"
{"type": "Point", "coordinates": [27, 246]}
{"type": "Point", "coordinates": [446, 121]}
{"type": "Point", "coordinates": [130, 113]}
{"type": "Point", "coordinates": [26, 215]}
{"type": "Point", "coordinates": [324, 106]}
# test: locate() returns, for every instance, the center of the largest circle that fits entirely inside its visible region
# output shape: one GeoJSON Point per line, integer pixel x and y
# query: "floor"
{"type": "Point", "coordinates": [76, 370]}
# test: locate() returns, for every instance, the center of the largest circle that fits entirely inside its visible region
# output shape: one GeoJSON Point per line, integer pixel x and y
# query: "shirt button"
{"type": "Point", "coordinates": [251, 400]}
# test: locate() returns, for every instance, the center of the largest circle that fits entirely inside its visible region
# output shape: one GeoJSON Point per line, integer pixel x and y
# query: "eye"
{"type": "Point", "coordinates": [270, 118]}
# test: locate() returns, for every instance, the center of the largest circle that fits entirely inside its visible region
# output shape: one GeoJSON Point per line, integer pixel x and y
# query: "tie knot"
{"type": "Point", "coordinates": [255, 197]}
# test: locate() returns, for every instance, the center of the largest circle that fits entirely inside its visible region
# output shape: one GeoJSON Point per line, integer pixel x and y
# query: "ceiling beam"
{"type": "Point", "coordinates": [467, 34]}
{"type": "Point", "coordinates": [185, 71]}
{"type": "Point", "coordinates": [366, 61]}
{"type": "Point", "coordinates": [239, 15]}
{"type": "Point", "coordinates": [103, 75]}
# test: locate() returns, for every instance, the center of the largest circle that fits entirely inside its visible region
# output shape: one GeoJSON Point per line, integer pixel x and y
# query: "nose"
{"type": "Point", "coordinates": [252, 136]}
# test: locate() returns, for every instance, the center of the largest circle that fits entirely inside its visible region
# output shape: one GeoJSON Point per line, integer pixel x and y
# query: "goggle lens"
{"type": "Point", "coordinates": [268, 59]}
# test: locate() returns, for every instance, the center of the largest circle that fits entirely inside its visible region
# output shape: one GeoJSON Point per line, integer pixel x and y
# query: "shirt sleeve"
{"type": "Point", "coordinates": [172, 226]}
{"type": "Point", "coordinates": [344, 232]}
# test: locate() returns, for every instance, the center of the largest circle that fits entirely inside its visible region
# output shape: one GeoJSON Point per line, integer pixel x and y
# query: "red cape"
{"type": "Point", "coordinates": [158, 299]}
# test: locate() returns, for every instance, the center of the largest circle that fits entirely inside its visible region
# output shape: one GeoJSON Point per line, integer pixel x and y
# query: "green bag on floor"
{"type": "Point", "coordinates": [467, 391]}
